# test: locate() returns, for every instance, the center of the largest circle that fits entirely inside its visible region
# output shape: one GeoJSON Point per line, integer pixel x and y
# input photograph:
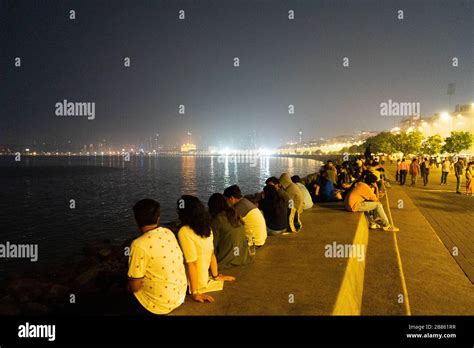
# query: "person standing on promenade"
{"type": "Point", "coordinates": [229, 233]}
{"type": "Point", "coordinates": [414, 171]}
{"type": "Point", "coordinates": [196, 240]}
{"type": "Point", "coordinates": [397, 173]}
{"type": "Point", "coordinates": [445, 168]}
{"type": "Point", "coordinates": [254, 222]}
{"type": "Point", "coordinates": [362, 198]}
{"type": "Point", "coordinates": [403, 172]}
{"type": "Point", "coordinates": [156, 271]}
{"type": "Point", "coordinates": [458, 171]}
{"type": "Point", "coordinates": [470, 178]}
{"type": "Point", "coordinates": [425, 171]}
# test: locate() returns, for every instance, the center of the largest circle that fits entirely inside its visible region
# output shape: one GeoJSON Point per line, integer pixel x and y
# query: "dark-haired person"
{"type": "Point", "coordinates": [326, 191]}
{"type": "Point", "coordinates": [275, 210]}
{"type": "Point", "coordinates": [230, 242]}
{"type": "Point", "coordinates": [254, 222]}
{"type": "Point", "coordinates": [458, 171]}
{"type": "Point", "coordinates": [363, 198]}
{"type": "Point", "coordinates": [276, 183]}
{"type": "Point", "coordinates": [425, 171]}
{"type": "Point", "coordinates": [196, 240]}
{"type": "Point", "coordinates": [307, 200]}
{"type": "Point", "coordinates": [156, 271]}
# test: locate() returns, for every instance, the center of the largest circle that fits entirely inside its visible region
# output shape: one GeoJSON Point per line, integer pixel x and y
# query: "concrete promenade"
{"type": "Point", "coordinates": [436, 283]}
{"type": "Point", "coordinates": [291, 275]}
{"type": "Point", "coordinates": [412, 271]}
{"type": "Point", "coordinates": [451, 215]}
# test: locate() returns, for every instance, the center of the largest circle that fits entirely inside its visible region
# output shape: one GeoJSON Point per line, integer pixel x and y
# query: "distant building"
{"type": "Point", "coordinates": [188, 148]}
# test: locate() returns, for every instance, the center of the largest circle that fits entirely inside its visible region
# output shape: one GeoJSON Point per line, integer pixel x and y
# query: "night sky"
{"type": "Point", "coordinates": [190, 62]}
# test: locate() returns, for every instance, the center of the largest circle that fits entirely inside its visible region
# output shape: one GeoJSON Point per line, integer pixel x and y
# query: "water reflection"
{"type": "Point", "coordinates": [226, 172]}
{"type": "Point", "coordinates": [264, 170]}
{"type": "Point", "coordinates": [212, 184]}
{"type": "Point", "coordinates": [188, 173]}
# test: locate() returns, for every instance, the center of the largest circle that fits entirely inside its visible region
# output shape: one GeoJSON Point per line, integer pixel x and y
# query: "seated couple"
{"type": "Point", "coordinates": [161, 270]}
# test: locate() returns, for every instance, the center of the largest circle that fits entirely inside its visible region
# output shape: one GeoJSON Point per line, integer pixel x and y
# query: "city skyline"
{"type": "Point", "coordinates": [325, 70]}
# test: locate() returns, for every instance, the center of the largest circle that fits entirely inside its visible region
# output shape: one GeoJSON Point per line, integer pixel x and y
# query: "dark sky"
{"type": "Point", "coordinates": [190, 62]}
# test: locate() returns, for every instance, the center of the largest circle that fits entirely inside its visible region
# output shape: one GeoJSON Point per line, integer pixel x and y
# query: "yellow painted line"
{"type": "Point", "coordinates": [406, 301]}
{"type": "Point", "coordinates": [349, 297]}
{"type": "Point", "coordinates": [402, 276]}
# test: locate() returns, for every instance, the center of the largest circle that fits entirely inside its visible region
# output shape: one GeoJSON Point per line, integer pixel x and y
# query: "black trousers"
{"type": "Point", "coordinates": [444, 177]}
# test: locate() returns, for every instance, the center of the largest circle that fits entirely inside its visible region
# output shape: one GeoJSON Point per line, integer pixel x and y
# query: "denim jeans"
{"type": "Point", "coordinates": [376, 207]}
{"type": "Point", "coordinates": [458, 183]}
{"type": "Point", "coordinates": [444, 177]}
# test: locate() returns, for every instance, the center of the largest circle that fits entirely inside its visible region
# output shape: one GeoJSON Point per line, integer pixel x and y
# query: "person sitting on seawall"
{"type": "Point", "coordinates": [326, 191]}
{"type": "Point", "coordinates": [307, 201]}
{"type": "Point", "coordinates": [276, 183]}
{"type": "Point", "coordinates": [296, 202]}
{"type": "Point", "coordinates": [362, 198]}
{"type": "Point", "coordinates": [196, 240]}
{"type": "Point", "coordinates": [156, 271]}
{"type": "Point", "coordinates": [332, 171]}
{"type": "Point", "coordinates": [275, 210]}
{"type": "Point", "coordinates": [254, 222]}
{"type": "Point", "coordinates": [344, 178]}
{"type": "Point", "coordinates": [311, 184]}
{"type": "Point", "coordinates": [230, 242]}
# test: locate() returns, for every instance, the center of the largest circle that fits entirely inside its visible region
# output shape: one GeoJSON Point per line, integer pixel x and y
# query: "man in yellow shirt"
{"type": "Point", "coordinates": [156, 271]}
{"type": "Point", "coordinates": [362, 198]}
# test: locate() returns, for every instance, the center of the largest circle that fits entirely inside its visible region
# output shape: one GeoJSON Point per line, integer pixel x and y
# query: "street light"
{"type": "Point", "coordinates": [446, 117]}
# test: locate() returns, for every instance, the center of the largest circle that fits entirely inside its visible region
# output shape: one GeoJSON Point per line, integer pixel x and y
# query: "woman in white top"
{"type": "Point", "coordinates": [196, 240]}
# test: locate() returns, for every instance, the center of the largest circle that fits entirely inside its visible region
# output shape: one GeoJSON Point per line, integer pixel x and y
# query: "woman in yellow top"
{"type": "Point", "coordinates": [196, 241]}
